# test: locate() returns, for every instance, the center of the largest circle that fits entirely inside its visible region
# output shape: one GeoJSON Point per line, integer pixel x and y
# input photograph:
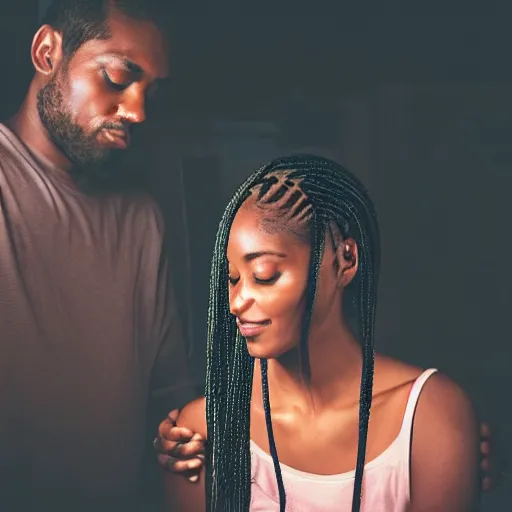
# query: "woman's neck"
{"type": "Point", "coordinates": [335, 360]}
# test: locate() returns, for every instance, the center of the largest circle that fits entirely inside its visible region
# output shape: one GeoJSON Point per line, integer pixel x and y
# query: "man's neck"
{"type": "Point", "coordinates": [27, 126]}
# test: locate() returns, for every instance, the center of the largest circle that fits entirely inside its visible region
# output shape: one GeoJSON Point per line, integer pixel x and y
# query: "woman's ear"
{"type": "Point", "coordinates": [347, 261]}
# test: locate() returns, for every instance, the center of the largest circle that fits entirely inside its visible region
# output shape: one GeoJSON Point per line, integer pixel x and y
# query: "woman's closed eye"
{"type": "Point", "coordinates": [266, 281]}
{"type": "Point", "coordinates": [258, 279]}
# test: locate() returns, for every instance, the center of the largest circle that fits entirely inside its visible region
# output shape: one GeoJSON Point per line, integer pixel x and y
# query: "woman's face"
{"type": "Point", "coordinates": [267, 284]}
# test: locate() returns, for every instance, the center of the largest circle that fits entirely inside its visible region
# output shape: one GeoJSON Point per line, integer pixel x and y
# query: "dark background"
{"type": "Point", "coordinates": [417, 104]}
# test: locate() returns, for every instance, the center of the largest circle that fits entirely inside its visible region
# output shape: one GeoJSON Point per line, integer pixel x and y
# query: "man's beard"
{"type": "Point", "coordinates": [94, 169]}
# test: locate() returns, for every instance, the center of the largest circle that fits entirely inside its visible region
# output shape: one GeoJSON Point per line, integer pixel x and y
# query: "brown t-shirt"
{"type": "Point", "coordinates": [88, 332]}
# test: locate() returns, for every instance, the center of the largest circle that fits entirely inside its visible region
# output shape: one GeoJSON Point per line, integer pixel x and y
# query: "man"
{"type": "Point", "coordinates": [88, 326]}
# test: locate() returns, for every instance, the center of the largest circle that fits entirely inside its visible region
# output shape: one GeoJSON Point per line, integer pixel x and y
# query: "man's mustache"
{"type": "Point", "coordinates": [122, 126]}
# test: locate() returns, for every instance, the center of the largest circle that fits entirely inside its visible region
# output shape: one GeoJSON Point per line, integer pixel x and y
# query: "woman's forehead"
{"type": "Point", "coordinates": [250, 233]}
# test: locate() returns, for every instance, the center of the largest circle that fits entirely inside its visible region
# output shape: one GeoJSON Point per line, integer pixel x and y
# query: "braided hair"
{"type": "Point", "coordinates": [311, 193]}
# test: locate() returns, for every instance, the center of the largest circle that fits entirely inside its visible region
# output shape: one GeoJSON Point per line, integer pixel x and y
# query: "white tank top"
{"type": "Point", "coordinates": [386, 482]}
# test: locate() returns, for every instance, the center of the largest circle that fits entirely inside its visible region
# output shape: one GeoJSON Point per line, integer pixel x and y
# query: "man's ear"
{"type": "Point", "coordinates": [46, 50]}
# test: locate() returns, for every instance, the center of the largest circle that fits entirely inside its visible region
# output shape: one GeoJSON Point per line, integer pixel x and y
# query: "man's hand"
{"type": "Point", "coordinates": [180, 450]}
{"type": "Point", "coordinates": [492, 470]}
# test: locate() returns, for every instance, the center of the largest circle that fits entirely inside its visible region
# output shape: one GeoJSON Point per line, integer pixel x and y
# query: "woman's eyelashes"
{"type": "Point", "coordinates": [257, 279]}
{"type": "Point", "coordinates": [267, 281]}
{"type": "Point", "coordinates": [233, 280]}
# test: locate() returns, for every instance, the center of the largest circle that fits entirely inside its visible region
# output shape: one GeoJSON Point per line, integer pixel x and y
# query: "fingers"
{"type": "Point", "coordinates": [486, 466]}
{"type": "Point", "coordinates": [174, 465]}
{"type": "Point", "coordinates": [173, 416]}
{"type": "Point", "coordinates": [489, 467]}
{"type": "Point", "coordinates": [182, 445]}
{"type": "Point", "coordinates": [175, 440]}
{"type": "Point", "coordinates": [488, 479]}
{"type": "Point", "coordinates": [492, 464]}
{"type": "Point", "coordinates": [189, 469]}
{"type": "Point", "coordinates": [194, 448]}
{"type": "Point", "coordinates": [180, 450]}
{"type": "Point", "coordinates": [485, 448]}
{"type": "Point", "coordinates": [485, 430]}
{"type": "Point", "coordinates": [169, 436]}
{"type": "Point", "coordinates": [170, 432]}
{"type": "Point", "coordinates": [487, 484]}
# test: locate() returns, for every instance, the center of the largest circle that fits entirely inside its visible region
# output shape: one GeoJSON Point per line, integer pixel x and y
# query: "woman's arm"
{"type": "Point", "coordinates": [182, 495]}
{"type": "Point", "coordinates": [445, 450]}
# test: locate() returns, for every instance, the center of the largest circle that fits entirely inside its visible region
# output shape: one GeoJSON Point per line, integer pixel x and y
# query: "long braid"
{"type": "Point", "coordinates": [306, 190]}
{"type": "Point", "coordinates": [270, 432]}
{"type": "Point", "coordinates": [317, 251]}
{"type": "Point", "coordinates": [222, 368]}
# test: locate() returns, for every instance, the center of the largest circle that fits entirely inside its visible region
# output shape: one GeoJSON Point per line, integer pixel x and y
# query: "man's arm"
{"type": "Point", "coordinates": [171, 385]}
{"type": "Point", "coordinates": [445, 450]}
{"type": "Point", "coordinates": [171, 382]}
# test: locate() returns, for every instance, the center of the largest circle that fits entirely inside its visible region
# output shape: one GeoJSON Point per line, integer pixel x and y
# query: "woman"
{"type": "Point", "coordinates": [291, 320]}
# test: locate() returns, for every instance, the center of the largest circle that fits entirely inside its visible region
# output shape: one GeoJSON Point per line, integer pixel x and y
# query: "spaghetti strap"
{"type": "Point", "coordinates": [405, 436]}
{"type": "Point", "coordinates": [414, 396]}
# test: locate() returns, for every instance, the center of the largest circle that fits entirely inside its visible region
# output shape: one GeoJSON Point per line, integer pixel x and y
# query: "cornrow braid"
{"type": "Point", "coordinates": [306, 194]}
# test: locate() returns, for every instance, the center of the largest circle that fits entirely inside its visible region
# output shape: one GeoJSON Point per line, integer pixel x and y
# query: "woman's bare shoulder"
{"type": "Point", "coordinates": [391, 374]}
{"type": "Point", "coordinates": [439, 389]}
{"type": "Point", "coordinates": [193, 416]}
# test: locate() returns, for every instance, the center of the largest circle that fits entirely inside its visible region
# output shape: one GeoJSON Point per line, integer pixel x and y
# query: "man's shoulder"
{"type": "Point", "coordinates": [9, 147]}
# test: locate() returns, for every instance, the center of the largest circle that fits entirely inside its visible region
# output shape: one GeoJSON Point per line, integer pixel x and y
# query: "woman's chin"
{"type": "Point", "coordinates": [262, 350]}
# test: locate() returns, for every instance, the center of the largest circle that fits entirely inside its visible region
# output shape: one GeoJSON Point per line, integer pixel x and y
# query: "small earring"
{"type": "Point", "coordinates": [347, 253]}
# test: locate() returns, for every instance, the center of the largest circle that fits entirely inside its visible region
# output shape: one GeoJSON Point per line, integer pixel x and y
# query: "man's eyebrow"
{"type": "Point", "coordinates": [128, 64]}
{"type": "Point", "coordinates": [135, 69]}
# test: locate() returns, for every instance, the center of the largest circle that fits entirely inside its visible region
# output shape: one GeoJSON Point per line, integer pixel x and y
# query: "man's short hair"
{"type": "Point", "coordinates": [80, 21]}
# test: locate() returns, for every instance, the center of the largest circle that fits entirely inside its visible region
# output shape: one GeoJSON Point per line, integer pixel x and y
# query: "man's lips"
{"type": "Point", "coordinates": [117, 138]}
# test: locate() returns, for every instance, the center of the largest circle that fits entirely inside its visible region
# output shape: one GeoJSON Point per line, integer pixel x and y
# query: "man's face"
{"type": "Point", "coordinates": [95, 97]}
